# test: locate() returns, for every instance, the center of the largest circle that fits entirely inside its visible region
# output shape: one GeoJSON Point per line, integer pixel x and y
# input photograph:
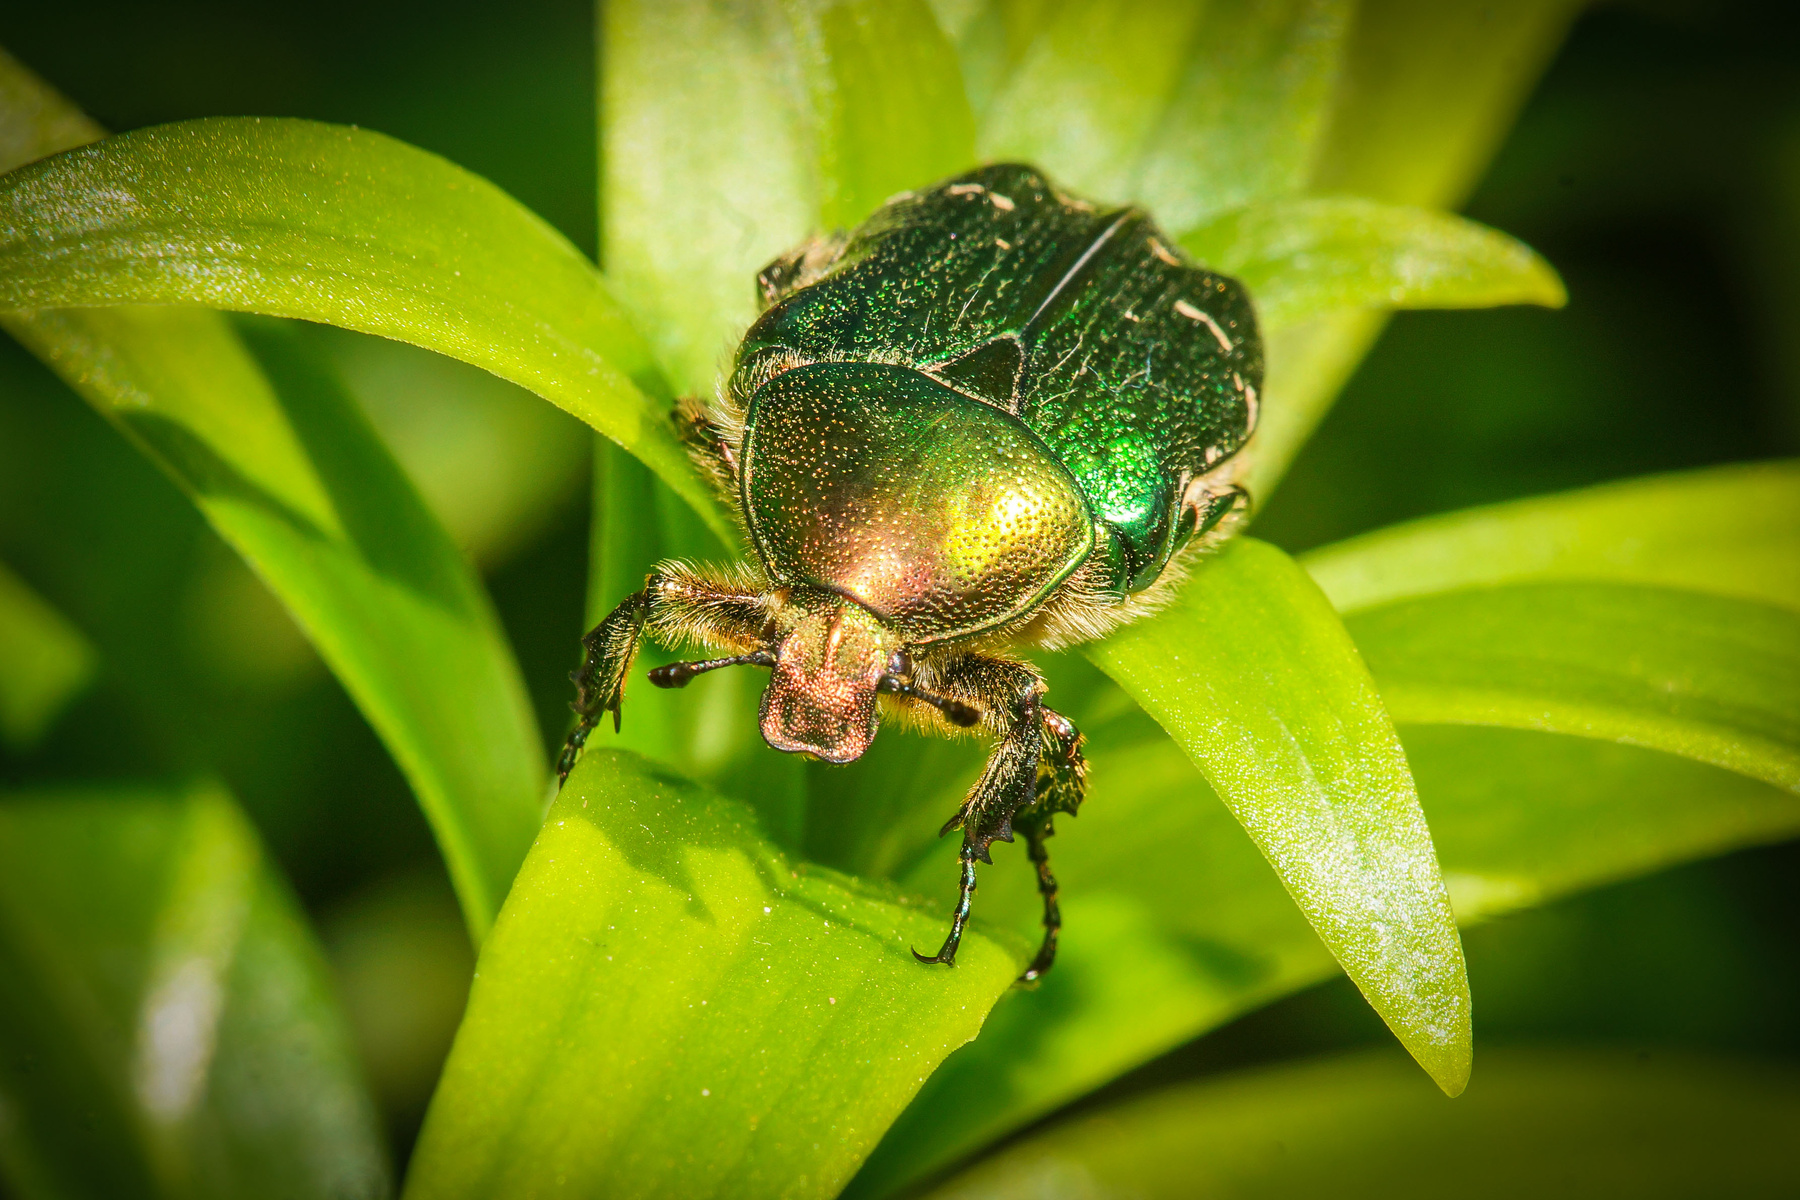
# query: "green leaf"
{"type": "Point", "coordinates": [1252, 674]}
{"type": "Point", "coordinates": [1174, 923]}
{"type": "Point", "coordinates": [792, 119]}
{"type": "Point", "coordinates": [1306, 257]}
{"type": "Point", "coordinates": [344, 226]}
{"type": "Point", "coordinates": [667, 1007]}
{"type": "Point", "coordinates": [45, 661]}
{"type": "Point", "coordinates": [293, 478]}
{"type": "Point", "coordinates": [312, 501]}
{"type": "Point", "coordinates": [1555, 1123]}
{"type": "Point", "coordinates": [166, 1027]}
{"type": "Point", "coordinates": [1733, 531]}
{"type": "Point", "coordinates": [1707, 677]}
{"type": "Point", "coordinates": [1245, 123]}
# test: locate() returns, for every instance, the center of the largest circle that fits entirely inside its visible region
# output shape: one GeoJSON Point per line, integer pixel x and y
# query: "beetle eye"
{"type": "Point", "coordinates": [900, 664]}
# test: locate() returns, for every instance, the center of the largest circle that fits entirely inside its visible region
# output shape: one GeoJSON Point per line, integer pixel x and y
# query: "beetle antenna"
{"type": "Point", "coordinates": [955, 711]}
{"type": "Point", "coordinates": [678, 675]}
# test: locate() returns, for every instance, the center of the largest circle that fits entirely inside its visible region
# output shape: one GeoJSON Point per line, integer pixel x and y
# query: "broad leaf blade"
{"type": "Point", "coordinates": [345, 226]}
{"type": "Point", "coordinates": [668, 1008]}
{"type": "Point", "coordinates": [1537, 1122]}
{"type": "Point", "coordinates": [1253, 675]}
{"type": "Point", "coordinates": [45, 661]}
{"type": "Point", "coordinates": [1733, 531]}
{"type": "Point", "coordinates": [1174, 924]}
{"type": "Point", "coordinates": [167, 1026]}
{"type": "Point", "coordinates": [1245, 122]}
{"type": "Point", "coordinates": [1307, 257]}
{"type": "Point", "coordinates": [1707, 677]}
{"type": "Point", "coordinates": [792, 119]}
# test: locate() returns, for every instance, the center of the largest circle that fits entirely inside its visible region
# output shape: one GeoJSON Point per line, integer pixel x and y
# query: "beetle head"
{"type": "Point", "coordinates": [828, 668]}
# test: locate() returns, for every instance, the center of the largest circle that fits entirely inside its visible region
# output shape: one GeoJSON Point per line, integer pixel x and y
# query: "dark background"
{"type": "Point", "coordinates": [1657, 166]}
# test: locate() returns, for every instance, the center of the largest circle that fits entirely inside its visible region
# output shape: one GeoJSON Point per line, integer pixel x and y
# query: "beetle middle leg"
{"type": "Point", "coordinates": [1035, 771]}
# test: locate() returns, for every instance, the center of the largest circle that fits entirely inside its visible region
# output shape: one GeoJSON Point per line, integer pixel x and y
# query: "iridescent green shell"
{"type": "Point", "coordinates": [986, 348]}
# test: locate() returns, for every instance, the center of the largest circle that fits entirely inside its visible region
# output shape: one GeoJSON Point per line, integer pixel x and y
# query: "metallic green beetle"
{"type": "Point", "coordinates": [989, 417]}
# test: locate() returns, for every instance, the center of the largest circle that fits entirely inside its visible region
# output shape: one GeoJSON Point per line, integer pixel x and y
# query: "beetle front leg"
{"type": "Point", "coordinates": [1061, 785]}
{"type": "Point", "coordinates": [680, 603]}
{"type": "Point", "coordinates": [600, 683]}
{"type": "Point", "coordinates": [1010, 696]}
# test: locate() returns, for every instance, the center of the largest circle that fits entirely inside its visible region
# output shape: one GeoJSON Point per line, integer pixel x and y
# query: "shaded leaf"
{"type": "Point", "coordinates": [1174, 924]}
{"type": "Point", "coordinates": [45, 661]}
{"type": "Point", "coordinates": [1253, 675]}
{"type": "Point", "coordinates": [1707, 677]}
{"type": "Point", "coordinates": [792, 119]}
{"type": "Point", "coordinates": [1551, 1123]}
{"type": "Point", "coordinates": [668, 1008]}
{"type": "Point", "coordinates": [341, 225]}
{"type": "Point", "coordinates": [1733, 530]}
{"type": "Point", "coordinates": [166, 1027]}
{"type": "Point", "coordinates": [1305, 257]}
{"type": "Point", "coordinates": [294, 479]}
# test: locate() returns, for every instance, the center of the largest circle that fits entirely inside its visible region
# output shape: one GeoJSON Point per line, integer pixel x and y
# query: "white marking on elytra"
{"type": "Point", "coordinates": [1249, 403]}
{"type": "Point", "coordinates": [1212, 455]}
{"type": "Point", "coordinates": [1003, 203]}
{"type": "Point", "coordinates": [1003, 243]}
{"type": "Point", "coordinates": [1161, 251]}
{"type": "Point", "coordinates": [965, 189]}
{"type": "Point", "coordinates": [1131, 316]}
{"type": "Point", "coordinates": [1193, 314]}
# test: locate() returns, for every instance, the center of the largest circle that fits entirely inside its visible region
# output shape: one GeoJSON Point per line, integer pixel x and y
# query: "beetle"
{"type": "Point", "coordinates": [992, 416]}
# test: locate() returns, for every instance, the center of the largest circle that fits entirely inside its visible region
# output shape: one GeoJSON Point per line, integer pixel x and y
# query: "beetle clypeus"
{"type": "Point", "coordinates": [989, 417]}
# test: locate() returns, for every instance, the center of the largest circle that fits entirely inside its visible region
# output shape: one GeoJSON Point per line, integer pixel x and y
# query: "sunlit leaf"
{"type": "Point", "coordinates": [1175, 925]}
{"type": "Point", "coordinates": [667, 1007]}
{"type": "Point", "coordinates": [1253, 675]}
{"type": "Point", "coordinates": [166, 1028]}
{"type": "Point", "coordinates": [1707, 677]}
{"type": "Point", "coordinates": [45, 661]}
{"type": "Point", "coordinates": [290, 475]}
{"type": "Point", "coordinates": [1245, 123]}
{"type": "Point", "coordinates": [1734, 531]}
{"type": "Point", "coordinates": [345, 226]}
{"type": "Point", "coordinates": [1552, 1123]}
{"type": "Point", "coordinates": [792, 119]}
{"type": "Point", "coordinates": [1305, 257]}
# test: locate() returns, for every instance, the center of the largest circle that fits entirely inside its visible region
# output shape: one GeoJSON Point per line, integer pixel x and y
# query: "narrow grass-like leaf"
{"type": "Point", "coordinates": [792, 119]}
{"type": "Point", "coordinates": [319, 510]}
{"type": "Point", "coordinates": [166, 1025]}
{"type": "Point", "coordinates": [295, 480]}
{"type": "Point", "coordinates": [1733, 531]}
{"type": "Point", "coordinates": [45, 661]}
{"type": "Point", "coordinates": [1707, 677]}
{"type": "Point", "coordinates": [345, 226]}
{"type": "Point", "coordinates": [1175, 924]}
{"type": "Point", "coordinates": [667, 1007]}
{"type": "Point", "coordinates": [1305, 257]}
{"type": "Point", "coordinates": [1253, 675]}
{"type": "Point", "coordinates": [1551, 1123]}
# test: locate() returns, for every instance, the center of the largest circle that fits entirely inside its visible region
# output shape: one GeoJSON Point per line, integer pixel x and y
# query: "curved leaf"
{"type": "Point", "coordinates": [166, 1027]}
{"type": "Point", "coordinates": [1305, 257]}
{"type": "Point", "coordinates": [1734, 531]}
{"type": "Point", "coordinates": [341, 225]}
{"type": "Point", "coordinates": [1552, 1123]}
{"type": "Point", "coordinates": [667, 1007]}
{"type": "Point", "coordinates": [299, 485]}
{"type": "Point", "coordinates": [1707, 677]}
{"type": "Point", "coordinates": [1175, 925]}
{"type": "Point", "coordinates": [1253, 675]}
{"type": "Point", "coordinates": [793, 118]}
{"type": "Point", "coordinates": [44, 663]}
